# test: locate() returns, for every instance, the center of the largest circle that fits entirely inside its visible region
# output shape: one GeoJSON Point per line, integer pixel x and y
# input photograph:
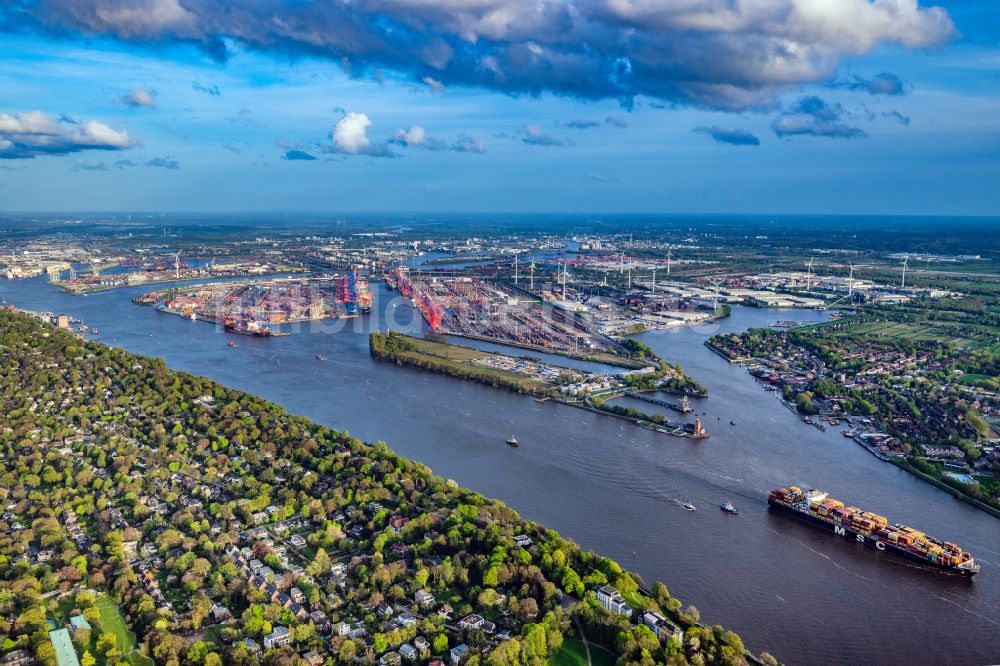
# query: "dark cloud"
{"type": "Point", "coordinates": [84, 165]}
{"type": "Point", "coordinates": [299, 155]}
{"type": "Point", "coordinates": [468, 144]}
{"type": "Point", "coordinates": [579, 48]}
{"type": "Point", "coordinates": [243, 117]}
{"type": "Point", "coordinates": [611, 121]}
{"type": "Point", "coordinates": [897, 116]}
{"type": "Point", "coordinates": [163, 163]}
{"type": "Point", "coordinates": [209, 89]}
{"type": "Point", "coordinates": [734, 137]}
{"type": "Point", "coordinates": [812, 116]}
{"type": "Point", "coordinates": [28, 135]}
{"type": "Point", "coordinates": [885, 83]}
{"type": "Point", "coordinates": [533, 136]}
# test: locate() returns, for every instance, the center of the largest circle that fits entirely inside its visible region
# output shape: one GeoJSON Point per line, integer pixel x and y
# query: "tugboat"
{"type": "Point", "coordinates": [512, 442]}
{"type": "Point", "coordinates": [729, 508]}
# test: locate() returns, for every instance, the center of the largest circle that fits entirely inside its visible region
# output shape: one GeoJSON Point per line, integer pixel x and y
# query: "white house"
{"type": "Point", "coordinates": [277, 638]}
{"type": "Point", "coordinates": [613, 600]}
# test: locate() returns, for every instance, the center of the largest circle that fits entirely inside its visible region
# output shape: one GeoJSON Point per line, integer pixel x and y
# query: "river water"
{"type": "Point", "coordinates": [799, 592]}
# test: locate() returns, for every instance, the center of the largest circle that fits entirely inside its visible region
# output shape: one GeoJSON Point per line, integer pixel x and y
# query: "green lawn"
{"type": "Point", "coordinates": [636, 600]}
{"type": "Point", "coordinates": [112, 622]}
{"type": "Point", "coordinates": [573, 653]}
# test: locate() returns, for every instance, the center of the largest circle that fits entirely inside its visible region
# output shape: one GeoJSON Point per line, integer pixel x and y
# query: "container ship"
{"type": "Point", "coordinates": [873, 529]}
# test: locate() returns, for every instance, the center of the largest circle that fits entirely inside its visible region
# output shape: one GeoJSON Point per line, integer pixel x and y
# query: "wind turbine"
{"type": "Point", "coordinates": [715, 302]}
{"type": "Point", "coordinates": [564, 281]}
{"type": "Point", "coordinates": [531, 285]}
{"type": "Point", "coordinates": [177, 265]}
{"type": "Point", "coordinates": [654, 278]}
{"type": "Point", "coordinates": [809, 274]}
{"type": "Point", "coordinates": [850, 282]}
{"type": "Point", "coordinates": [906, 261]}
{"type": "Point", "coordinates": [669, 252]}
{"type": "Point", "coordinates": [515, 269]}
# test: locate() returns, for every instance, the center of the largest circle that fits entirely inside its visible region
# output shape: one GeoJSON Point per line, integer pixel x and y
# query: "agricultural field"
{"type": "Point", "coordinates": [950, 334]}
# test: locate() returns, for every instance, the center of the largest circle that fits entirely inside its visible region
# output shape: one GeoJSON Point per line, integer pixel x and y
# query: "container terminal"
{"type": "Point", "coordinates": [252, 308]}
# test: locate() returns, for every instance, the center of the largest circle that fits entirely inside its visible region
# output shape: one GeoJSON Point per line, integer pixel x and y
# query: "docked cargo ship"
{"type": "Point", "coordinates": [873, 529]}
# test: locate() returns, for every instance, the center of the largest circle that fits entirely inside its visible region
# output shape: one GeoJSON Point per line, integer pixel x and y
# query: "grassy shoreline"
{"type": "Point", "coordinates": [451, 360]}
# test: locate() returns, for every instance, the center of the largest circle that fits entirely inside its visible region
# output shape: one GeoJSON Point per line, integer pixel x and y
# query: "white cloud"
{"type": "Point", "coordinates": [27, 135]}
{"type": "Point", "coordinates": [140, 98]}
{"type": "Point", "coordinates": [415, 136]}
{"type": "Point", "coordinates": [350, 133]}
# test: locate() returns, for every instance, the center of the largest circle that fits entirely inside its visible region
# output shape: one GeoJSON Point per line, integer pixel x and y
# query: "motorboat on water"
{"type": "Point", "coordinates": [513, 442]}
{"type": "Point", "coordinates": [729, 508]}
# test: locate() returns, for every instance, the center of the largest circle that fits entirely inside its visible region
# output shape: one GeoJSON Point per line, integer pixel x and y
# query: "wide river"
{"type": "Point", "coordinates": [797, 591]}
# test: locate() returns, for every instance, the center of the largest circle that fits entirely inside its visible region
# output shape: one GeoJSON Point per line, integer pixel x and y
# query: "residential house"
{"type": "Point", "coordinates": [471, 622]}
{"type": "Point", "coordinates": [277, 638]}
{"type": "Point", "coordinates": [613, 600]}
{"type": "Point", "coordinates": [661, 626]}
{"type": "Point", "coordinates": [390, 659]}
{"type": "Point", "coordinates": [458, 652]}
{"type": "Point", "coordinates": [17, 658]}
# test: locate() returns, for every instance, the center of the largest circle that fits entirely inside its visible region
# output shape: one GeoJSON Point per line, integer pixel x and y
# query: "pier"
{"type": "Point", "coordinates": [683, 407]}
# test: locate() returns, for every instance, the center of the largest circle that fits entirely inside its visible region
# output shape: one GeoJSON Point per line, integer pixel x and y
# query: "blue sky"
{"type": "Point", "coordinates": [140, 111]}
